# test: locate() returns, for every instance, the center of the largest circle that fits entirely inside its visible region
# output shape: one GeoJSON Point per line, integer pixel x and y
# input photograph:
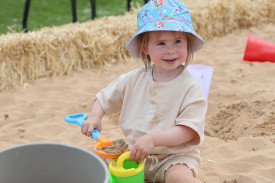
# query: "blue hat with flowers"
{"type": "Point", "coordinates": [164, 15]}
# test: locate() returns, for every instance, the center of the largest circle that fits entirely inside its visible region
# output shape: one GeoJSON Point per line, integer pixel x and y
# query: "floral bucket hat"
{"type": "Point", "coordinates": [164, 15]}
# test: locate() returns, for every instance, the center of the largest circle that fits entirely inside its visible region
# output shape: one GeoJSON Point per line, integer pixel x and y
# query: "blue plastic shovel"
{"type": "Point", "coordinates": [102, 140]}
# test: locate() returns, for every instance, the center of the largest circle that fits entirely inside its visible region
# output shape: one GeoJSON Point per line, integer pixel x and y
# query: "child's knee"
{"type": "Point", "coordinates": [179, 174]}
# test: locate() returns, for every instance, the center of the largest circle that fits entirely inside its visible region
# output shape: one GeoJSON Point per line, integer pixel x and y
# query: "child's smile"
{"type": "Point", "coordinates": [170, 60]}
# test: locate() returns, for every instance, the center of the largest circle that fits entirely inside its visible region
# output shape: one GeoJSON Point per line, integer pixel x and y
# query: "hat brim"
{"type": "Point", "coordinates": [170, 25]}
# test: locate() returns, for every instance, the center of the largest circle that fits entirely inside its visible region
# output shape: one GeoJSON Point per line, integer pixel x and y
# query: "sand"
{"type": "Point", "coordinates": [239, 144]}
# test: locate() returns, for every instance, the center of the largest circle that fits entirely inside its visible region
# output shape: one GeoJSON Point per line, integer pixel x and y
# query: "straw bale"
{"type": "Point", "coordinates": [73, 47]}
{"type": "Point", "coordinates": [214, 18]}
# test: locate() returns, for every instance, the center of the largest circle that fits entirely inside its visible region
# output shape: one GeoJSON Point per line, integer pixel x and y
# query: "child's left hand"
{"type": "Point", "coordinates": [142, 148]}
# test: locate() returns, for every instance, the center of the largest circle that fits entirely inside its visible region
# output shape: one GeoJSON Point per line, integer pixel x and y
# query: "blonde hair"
{"type": "Point", "coordinates": [143, 42]}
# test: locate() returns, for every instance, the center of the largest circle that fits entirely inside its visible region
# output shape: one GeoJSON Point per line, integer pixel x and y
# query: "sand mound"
{"type": "Point", "coordinates": [242, 119]}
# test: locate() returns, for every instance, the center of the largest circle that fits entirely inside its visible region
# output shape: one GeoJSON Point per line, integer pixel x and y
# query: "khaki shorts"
{"type": "Point", "coordinates": [156, 165]}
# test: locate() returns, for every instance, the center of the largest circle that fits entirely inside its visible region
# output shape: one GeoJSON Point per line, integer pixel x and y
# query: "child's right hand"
{"type": "Point", "coordinates": [142, 148]}
{"type": "Point", "coordinates": [90, 124]}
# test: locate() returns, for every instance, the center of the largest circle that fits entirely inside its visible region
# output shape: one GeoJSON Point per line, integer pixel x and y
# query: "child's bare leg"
{"type": "Point", "coordinates": [180, 174]}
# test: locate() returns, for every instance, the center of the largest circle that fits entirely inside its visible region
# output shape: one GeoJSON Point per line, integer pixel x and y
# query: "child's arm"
{"type": "Point", "coordinates": [170, 137]}
{"type": "Point", "coordinates": [173, 136]}
{"type": "Point", "coordinates": [94, 119]}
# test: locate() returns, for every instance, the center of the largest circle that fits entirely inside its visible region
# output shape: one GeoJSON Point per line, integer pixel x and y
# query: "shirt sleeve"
{"type": "Point", "coordinates": [111, 97]}
{"type": "Point", "coordinates": [193, 111]}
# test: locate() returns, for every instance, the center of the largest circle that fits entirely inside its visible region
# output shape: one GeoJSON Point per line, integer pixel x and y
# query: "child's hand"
{"type": "Point", "coordinates": [90, 124]}
{"type": "Point", "coordinates": [142, 148]}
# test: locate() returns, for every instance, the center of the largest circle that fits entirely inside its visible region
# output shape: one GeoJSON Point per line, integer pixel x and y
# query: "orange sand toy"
{"type": "Point", "coordinates": [102, 141]}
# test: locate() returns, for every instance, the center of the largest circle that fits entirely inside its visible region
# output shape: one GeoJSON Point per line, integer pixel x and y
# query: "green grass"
{"type": "Point", "coordinates": [44, 13]}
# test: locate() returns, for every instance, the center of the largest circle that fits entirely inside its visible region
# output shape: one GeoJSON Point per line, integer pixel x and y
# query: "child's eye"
{"type": "Point", "coordinates": [178, 41]}
{"type": "Point", "coordinates": [161, 43]}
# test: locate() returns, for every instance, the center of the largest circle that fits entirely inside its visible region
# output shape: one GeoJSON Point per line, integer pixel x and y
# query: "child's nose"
{"type": "Point", "coordinates": [170, 49]}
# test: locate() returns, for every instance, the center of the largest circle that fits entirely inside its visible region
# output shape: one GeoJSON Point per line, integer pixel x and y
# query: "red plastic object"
{"type": "Point", "coordinates": [259, 50]}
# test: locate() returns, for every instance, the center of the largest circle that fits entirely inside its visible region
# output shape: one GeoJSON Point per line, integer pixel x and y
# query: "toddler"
{"type": "Point", "coordinates": [162, 106]}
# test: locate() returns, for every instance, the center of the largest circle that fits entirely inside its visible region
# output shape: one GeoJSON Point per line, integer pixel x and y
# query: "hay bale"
{"type": "Point", "coordinates": [215, 18]}
{"type": "Point", "coordinates": [73, 47]}
{"type": "Point", "coordinates": [61, 50]}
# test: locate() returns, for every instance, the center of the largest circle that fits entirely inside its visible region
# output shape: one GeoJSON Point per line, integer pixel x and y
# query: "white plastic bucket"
{"type": "Point", "coordinates": [203, 74]}
{"type": "Point", "coordinates": [51, 163]}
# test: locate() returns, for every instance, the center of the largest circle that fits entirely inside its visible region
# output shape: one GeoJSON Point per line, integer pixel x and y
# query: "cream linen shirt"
{"type": "Point", "coordinates": [147, 106]}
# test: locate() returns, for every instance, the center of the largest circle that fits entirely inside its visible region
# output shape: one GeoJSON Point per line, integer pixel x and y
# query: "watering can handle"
{"type": "Point", "coordinates": [120, 171]}
{"type": "Point", "coordinates": [123, 157]}
{"type": "Point", "coordinates": [78, 119]}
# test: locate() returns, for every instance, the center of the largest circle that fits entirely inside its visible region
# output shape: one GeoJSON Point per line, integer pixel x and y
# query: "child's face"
{"type": "Point", "coordinates": [167, 49]}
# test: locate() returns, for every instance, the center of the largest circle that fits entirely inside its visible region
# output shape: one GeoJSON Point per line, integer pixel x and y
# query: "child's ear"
{"type": "Point", "coordinates": [145, 49]}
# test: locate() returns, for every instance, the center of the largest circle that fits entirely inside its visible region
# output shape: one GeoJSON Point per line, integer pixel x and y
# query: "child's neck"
{"type": "Point", "coordinates": [159, 76]}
